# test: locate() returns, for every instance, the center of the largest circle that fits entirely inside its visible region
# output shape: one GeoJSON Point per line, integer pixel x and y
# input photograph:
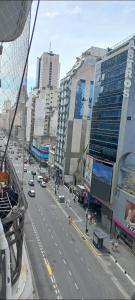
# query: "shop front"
{"type": "Point", "coordinates": [124, 218]}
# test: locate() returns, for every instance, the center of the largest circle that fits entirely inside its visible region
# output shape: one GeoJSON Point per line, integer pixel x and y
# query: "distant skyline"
{"type": "Point", "coordinates": [74, 26]}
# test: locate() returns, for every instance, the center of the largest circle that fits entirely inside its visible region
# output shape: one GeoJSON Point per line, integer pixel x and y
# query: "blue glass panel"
{"type": "Point", "coordinates": [91, 97]}
{"type": "Point", "coordinates": [80, 92]}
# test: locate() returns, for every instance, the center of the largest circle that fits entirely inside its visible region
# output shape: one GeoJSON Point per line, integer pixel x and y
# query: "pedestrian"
{"type": "Point", "coordinates": [116, 245]}
{"type": "Point", "coordinates": [69, 220]}
{"type": "Point", "coordinates": [74, 198]}
{"type": "Point", "coordinates": [113, 247]}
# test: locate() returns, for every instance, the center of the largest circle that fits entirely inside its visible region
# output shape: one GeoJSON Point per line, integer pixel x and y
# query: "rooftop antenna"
{"type": "Point", "coordinates": [50, 47]}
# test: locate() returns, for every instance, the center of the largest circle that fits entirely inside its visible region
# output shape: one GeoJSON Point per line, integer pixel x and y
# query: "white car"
{"type": "Point", "coordinates": [39, 178]}
{"type": "Point", "coordinates": [31, 193]}
{"type": "Point", "coordinates": [43, 184]}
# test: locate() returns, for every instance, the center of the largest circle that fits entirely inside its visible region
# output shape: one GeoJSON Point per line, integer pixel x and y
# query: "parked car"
{"type": "Point", "coordinates": [33, 172]}
{"type": "Point", "coordinates": [25, 169]}
{"type": "Point", "coordinates": [31, 193]}
{"type": "Point", "coordinates": [43, 184]}
{"type": "Point", "coordinates": [31, 182]}
{"type": "Point", "coordinates": [39, 178]}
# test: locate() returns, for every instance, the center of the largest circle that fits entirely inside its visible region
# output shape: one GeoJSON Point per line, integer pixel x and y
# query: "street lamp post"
{"type": "Point", "coordinates": [86, 228]}
{"type": "Point", "coordinates": [55, 188]}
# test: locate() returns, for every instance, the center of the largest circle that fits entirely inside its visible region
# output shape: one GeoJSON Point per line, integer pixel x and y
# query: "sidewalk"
{"type": "Point", "coordinates": [123, 256]}
{"type": "Point", "coordinates": [23, 288]}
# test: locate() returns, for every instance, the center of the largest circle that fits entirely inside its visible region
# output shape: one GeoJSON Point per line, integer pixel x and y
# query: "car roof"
{"type": "Point", "coordinates": [32, 191]}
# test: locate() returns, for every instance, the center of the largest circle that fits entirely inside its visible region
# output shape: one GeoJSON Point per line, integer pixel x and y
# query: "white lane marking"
{"type": "Point", "coordinates": [120, 267]}
{"type": "Point", "coordinates": [43, 253]}
{"type": "Point", "coordinates": [56, 244]}
{"type": "Point", "coordinates": [58, 204]}
{"type": "Point", "coordinates": [69, 272]}
{"type": "Point", "coordinates": [88, 270]}
{"type": "Point", "coordinates": [65, 263]}
{"type": "Point", "coordinates": [121, 289]}
{"type": "Point", "coordinates": [76, 286]}
{"type": "Point", "coordinates": [76, 214]}
{"type": "Point", "coordinates": [60, 252]}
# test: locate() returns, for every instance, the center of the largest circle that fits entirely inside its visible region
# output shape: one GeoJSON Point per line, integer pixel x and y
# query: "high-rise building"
{"type": "Point", "coordinates": [75, 104]}
{"type": "Point", "coordinates": [112, 140]}
{"type": "Point", "coordinates": [48, 68]}
{"type": "Point", "coordinates": [12, 61]}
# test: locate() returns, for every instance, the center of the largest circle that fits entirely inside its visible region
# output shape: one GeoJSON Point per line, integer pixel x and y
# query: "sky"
{"type": "Point", "coordinates": [74, 26]}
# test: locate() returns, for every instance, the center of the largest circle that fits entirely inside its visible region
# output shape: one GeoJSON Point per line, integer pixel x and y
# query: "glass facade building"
{"type": "Point", "coordinates": [106, 115]}
{"type": "Point", "coordinates": [12, 61]}
{"type": "Point", "coordinates": [79, 104]}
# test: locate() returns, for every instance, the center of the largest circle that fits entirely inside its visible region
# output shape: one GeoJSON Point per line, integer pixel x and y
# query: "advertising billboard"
{"type": "Point", "coordinates": [101, 180]}
{"type": "Point", "coordinates": [88, 170]}
{"type": "Point", "coordinates": [130, 216]}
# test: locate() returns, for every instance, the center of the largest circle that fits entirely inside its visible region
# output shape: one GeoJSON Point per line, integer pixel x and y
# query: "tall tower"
{"type": "Point", "coordinates": [47, 73]}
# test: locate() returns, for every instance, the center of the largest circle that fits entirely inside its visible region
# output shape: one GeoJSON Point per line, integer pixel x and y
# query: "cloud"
{"type": "Point", "coordinates": [76, 10]}
{"type": "Point", "coordinates": [52, 14]}
{"type": "Point", "coordinates": [128, 10]}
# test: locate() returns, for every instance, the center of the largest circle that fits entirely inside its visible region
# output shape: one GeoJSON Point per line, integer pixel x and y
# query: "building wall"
{"type": "Point", "coordinates": [119, 211]}
{"type": "Point", "coordinates": [40, 109]}
{"type": "Point", "coordinates": [75, 107]}
{"type": "Point", "coordinates": [49, 70]}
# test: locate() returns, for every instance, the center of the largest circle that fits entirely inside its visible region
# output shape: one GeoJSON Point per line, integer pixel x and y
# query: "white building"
{"type": "Point", "coordinates": [48, 69]}
{"type": "Point", "coordinates": [75, 109]}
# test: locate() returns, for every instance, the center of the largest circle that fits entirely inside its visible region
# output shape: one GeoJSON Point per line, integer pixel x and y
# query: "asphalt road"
{"type": "Point", "coordinates": [63, 266]}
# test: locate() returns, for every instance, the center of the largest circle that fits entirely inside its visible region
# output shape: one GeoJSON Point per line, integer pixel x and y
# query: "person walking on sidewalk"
{"type": "Point", "coordinates": [74, 198]}
{"type": "Point", "coordinates": [69, 220]}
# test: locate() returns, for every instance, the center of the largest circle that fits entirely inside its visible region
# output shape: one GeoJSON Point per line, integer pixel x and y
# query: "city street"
{"type": "Point", "coordinates": [62, 264]}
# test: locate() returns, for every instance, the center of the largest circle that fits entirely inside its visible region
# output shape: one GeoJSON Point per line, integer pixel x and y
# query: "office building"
{"type": "Point", "coordinates": [47, 72]}
{"type": "Point", "coordinates": [74, 114]}
{"type": "Point", "coordinates": [110, 166]}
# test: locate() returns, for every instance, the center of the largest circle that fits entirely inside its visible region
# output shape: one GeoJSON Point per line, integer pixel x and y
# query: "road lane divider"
{"type": "Point", "coordinates": [47, 264]}
{"type": "Point", "coordinates": [76, 227]}
{"type": "Point", "coordinates": [85, 239]}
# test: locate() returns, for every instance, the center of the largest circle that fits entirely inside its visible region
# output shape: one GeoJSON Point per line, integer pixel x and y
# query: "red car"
{"type": "Point", "coordinates": [46, 179]}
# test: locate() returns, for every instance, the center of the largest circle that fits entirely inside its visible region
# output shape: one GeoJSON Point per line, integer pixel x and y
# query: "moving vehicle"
{"type": "Point", "coordinates": [31, 182]}
{"type": "Point", "coordinates": [46, 178]}
{"type": "Point", "coordinates": [39, 178]}
{"type": "Point", "coordinates": [43, 184]}
{"type": "Point", "coordinates": [31, 193]}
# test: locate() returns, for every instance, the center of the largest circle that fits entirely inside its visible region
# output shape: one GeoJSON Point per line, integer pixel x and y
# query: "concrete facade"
{"type": "Point", "coordinates": [76, 94]}
{"type": "Point", "coordinates": [48, 69]}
